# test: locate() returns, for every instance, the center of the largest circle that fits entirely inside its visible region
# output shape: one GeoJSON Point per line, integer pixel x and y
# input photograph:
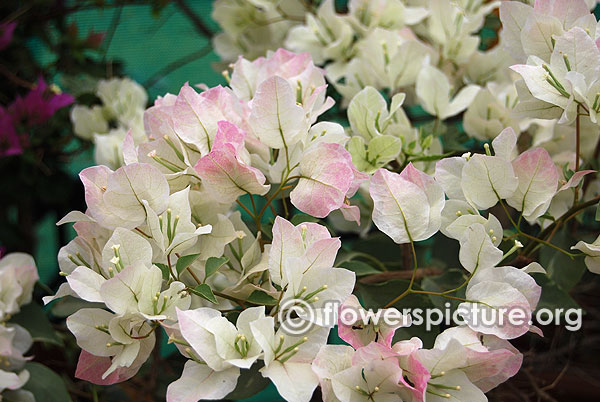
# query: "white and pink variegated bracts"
{"type": "Point", "coordinates": [462, 365]}
{"type": "Point", "coordinates": [162, 246]}
{"type": "Point", "coordinates": [18, 275]}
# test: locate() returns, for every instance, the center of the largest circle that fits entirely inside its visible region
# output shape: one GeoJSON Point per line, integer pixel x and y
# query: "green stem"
{"type": "Point", "coordinates": [412, 278]}
{"type": "Point", "coordinates": [533, 238]}
{"type": "Point", "coordinates": [245, 209]}
{"type": "Point", "coordinates": [564, 218]}
{"type": "Point", "coordinates": [425, 292]}
{"type": "Point", "coordinates": [233, 299]}
{"type": "Point", "coordinates": [272, 197]}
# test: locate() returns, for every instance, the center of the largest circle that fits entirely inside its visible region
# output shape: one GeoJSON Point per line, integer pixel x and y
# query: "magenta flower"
{"type": "Point", "coordinates": [39, 104]}
{"type": "Point", "coordinates": [37, 107]}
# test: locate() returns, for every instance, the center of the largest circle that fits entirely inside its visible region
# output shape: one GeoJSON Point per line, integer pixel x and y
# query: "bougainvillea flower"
{"type": "Point", "coordinates": [477, 249]}
{"type": "Point", "coordinates": [592, 252]}
{"type": "Point", "coordinates": [39, 104]}
{"type": "Point", "coordinates": [199, 382]}
{"type": "Point", "coordinates": [288, 358]}
{"type": "Point", "coordinates": [276, 119]}
{"type": "Point", "coordinates": [217, 341]}
{"type": "Point", "coordinates": [498, 291]}
{"type": "Point", "coordinates": [308, 240]}
{"type": "Point", "coordinates": [18, 275]}
{"type": "Point", "coordinates": [195, 115]}
{"type": "Point", "coordinates": [118, 198]}
{"type": "Point", "coordinates": [226, 170]}
{"type": "Point", "coordinates": [327, 178]}
{"type": "Point", "coordinates": [362, 332]}
{"type": "Point", "coordinates": [408, 205]}
{"type": "Point", "coordinates": [486, 359]}
{"type": "Point", "coordinates": [433, 90]}
{"type": "Point", "coordinates": [486, 179]}
{"type": "Point", "coordinates": [538, 182]}
{"type": "Point", "coordinates": [123, 339]}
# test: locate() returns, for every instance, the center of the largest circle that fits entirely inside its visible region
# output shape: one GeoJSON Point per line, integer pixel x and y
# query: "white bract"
{"type": "Point", "coordinates": [435, 94]}
{"type": "Point", "coordinates": [122, 104]}
{"type": "Point", "coordinates": [18, 275]}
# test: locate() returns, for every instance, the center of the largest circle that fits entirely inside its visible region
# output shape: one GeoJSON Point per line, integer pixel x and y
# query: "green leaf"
{"type": "Point", "coordinates": [552, 296]}
{"type": "Point", "coordinates": [33, 318]}
{"type": "Point", "coordinates": [45, 384]}
{"type": "Point", "coordinates": [564, 271]}
{"type": "Point", "coordinates": [185, 261]}
{"type": "Point", "coordinates": [548, 217]}
{"type": "Point", "coordinates": [446, 249]}
{"type": "Point", "coordinates": [68, 305]}
{"type": "Point", "coordinates": [431, 158]}
{"type": "Point", "coordinates": [383, 149]}
{"type": "Point", "coordinates": [164, 269]}
{"type": "Point", "coordinates": [266, 229]}
{"type": "Point", "coordinates": [262, 298]}
{"type": "Point", "coordinates": [597, 217]}
{"type": "Point", "coordinates": [232, 316]}
{"type": "Point", "coordinates": [568, 173]}
{"type": "Point", "coordinates": [204, 291]}
{"type": "Point", "coordinates": [381, 246]}
{"type": "Point", "coordinates": [359, 268]}
{"type": "Point", "coordinates": [250, 383]}
{"type": "Point", "coordinates": [301, 218]}
{"type": "Point", "coordinates": [213, 264]}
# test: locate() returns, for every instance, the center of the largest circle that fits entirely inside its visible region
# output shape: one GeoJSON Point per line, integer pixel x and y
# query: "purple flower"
{"type": "Point", "coordinates": [6, 34]}
{"type": "Point", "coordinates": [36, 108]}
{"type": "Point", "coordinates": [39, 104]}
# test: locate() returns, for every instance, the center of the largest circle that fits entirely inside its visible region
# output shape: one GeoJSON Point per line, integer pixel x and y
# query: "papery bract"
{"type": "Point", "coordinates": [487, 179]}
{"type": "Point", "coordinates": [592, 252]}
{"type": "Point", "coordinates": [507, 296]}
{"type": "Point", "coordinates": [362, 332]}
{"type": "Point", "coordinates": [309, 241]}
{"type": "Point", "coordinates": [408, 205]}
{"type": "Point", "coordinates": [477, 250]}
{"type": "Point", "coordinates": [276, 119]}
{"type": "Point", "coordinates": [327, 177]}
{"type": "Point", "coordinates": [196, 116]}
{"type": "Point", "coordinates": [224, 169]}
{"type": "Point", "coordinates": [199, 382]}
{"type": "Point", "coordinates": [538, 182]}
{"type": "Point", "coordinates": [433, 90]}
{"type": "Point", "coordinates": [18, 275]}
{"type": "Point", "coordinates": [115, 198]}
{"type": "Point", "coordinates": [291, 371]}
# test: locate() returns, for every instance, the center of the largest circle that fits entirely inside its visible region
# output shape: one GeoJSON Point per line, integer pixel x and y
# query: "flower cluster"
{"type": "Point", "coordinates": [382, 44]}
{"type": "Point", "coordinates": [18, 275]}
{"type": "Point", "coordinates": [163, 245]}
{"type": "Point", "coordinates": [123, 102]}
